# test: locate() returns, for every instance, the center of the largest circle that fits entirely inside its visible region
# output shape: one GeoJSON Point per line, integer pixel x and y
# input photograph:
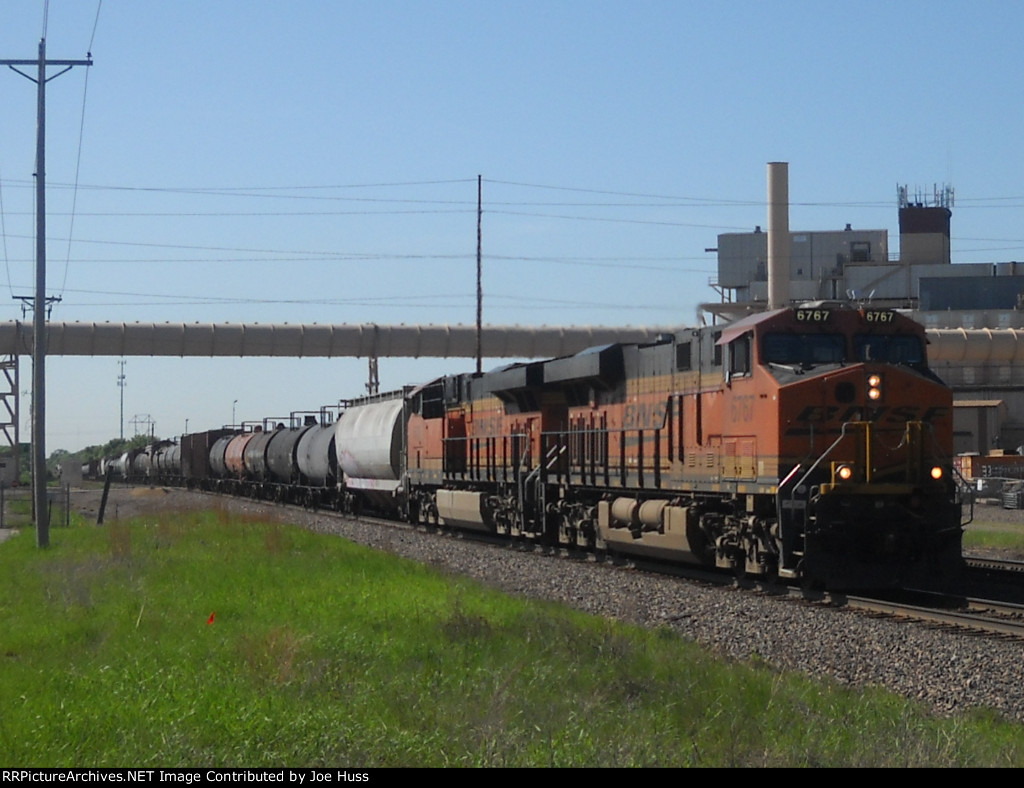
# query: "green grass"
{"type": "Point", "coordinates": [979, 536]}
{"type": "Point", "coordinates": [322, 652]}
{"type": "Point", "coordinates": [982, 533]}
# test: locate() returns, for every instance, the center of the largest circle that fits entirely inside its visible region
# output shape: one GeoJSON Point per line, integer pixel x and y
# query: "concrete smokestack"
{"type": "Point", "coordinates": [779, 251]}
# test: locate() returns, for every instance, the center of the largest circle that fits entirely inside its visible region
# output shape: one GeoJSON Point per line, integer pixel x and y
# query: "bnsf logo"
{"type": "Point", "coordinates": [644, 416]}
{"type": "Point", "coordinates": [826, 414]}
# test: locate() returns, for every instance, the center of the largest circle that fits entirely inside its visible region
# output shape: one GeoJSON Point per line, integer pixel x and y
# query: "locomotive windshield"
{"type": "Point", "coordinates": [814, 349]}
{"type": "Point", "coordinates": [804, 349]}
{"type": "Point", "coordinates": [888, 349]}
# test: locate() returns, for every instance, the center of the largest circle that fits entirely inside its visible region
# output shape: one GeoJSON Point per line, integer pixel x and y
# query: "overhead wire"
{"type": "Point", "coordinates": [624, 199]}
{"type": "Point", "coordinates": [95, 24]}
{"type": "Point", "coordinates": [78, 157]}
{"type": "Point", "coordinates": [3, 233]}
{"type": "Point", "coordinates": [670, 201]}
{"type": "Point", "coordinates": [277, 256]}
{"type": "Point", "coordinates": [422, 300]}
{"type": "Point", "coordinates": [499, 211]}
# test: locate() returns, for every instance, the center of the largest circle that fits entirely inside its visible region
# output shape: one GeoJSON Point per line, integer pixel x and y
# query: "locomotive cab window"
{"type": "Point", "coordinates": [888, 349]}
{"type": "Point", "coordinates": [803, 349]}
{"type": "Point", "coordinates": [739, 357]}
{"type": "Point", "coordinates": [683, 360]}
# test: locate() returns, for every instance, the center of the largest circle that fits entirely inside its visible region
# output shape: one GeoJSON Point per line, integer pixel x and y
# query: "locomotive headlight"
{"type": "Point", "coordinates": [844, 472]}
{"type": "Point", "coordinates": [936, 472]}
{"type": "Point", "coordinates": [874, 387]}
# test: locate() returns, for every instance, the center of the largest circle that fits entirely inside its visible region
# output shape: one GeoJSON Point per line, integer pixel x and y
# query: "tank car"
{"type": "Point", "coordinates": [282, 462]}
{"type": "Point", "coordinates": [234, 461]}
{"type": "Point", "coordinates": [166, 462]}
{"type": "Point", "coordinates": [809, 443]}
{"type": "Point", "coordinates": [121, 466]}
{"type": "Point", "coordinates": [317, 461]}
{"type": "Point", "coordinates": [294, 464]}
{"type": "Point", "coordinates": [218, 463]}
{"type": "Point", "coordinates": [257, 474]}
{"type": "Point", "coordinates": [141, 463]}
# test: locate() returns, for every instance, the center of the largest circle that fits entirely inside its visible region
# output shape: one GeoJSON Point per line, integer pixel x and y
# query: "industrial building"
{"type": "Point", "coordinates": [856, 265]}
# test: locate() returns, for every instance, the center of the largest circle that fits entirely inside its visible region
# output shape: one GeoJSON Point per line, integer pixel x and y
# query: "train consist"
{"type": "Point", "coordinates": [809, 443]}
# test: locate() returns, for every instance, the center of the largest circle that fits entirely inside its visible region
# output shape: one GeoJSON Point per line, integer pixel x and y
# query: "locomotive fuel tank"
{"type": "Point", "coordinates": [670, 532]}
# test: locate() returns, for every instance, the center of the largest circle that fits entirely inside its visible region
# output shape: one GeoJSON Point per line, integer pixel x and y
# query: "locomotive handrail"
{"type": "Point", "coordinates": [804, 478]}
{"type": "Point", "coordinates": [822, 456]}
{"type": "Point", "coordinates": [961, 488]}
{"type": "Point", "coordinates": [540, 467]}
{"type": "Point", "coordinates": [521, 482]}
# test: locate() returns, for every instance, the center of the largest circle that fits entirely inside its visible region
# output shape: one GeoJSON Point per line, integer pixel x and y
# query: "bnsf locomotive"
{"type": "Point", "coordinates": [808, 443]}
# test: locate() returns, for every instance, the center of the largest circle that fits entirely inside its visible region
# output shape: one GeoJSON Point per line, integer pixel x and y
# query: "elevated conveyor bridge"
{"type": "Point", "coordinates": [314, 340]}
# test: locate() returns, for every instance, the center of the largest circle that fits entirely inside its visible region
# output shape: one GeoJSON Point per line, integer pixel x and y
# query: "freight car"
{"type": "Point", "coordinates": [808, 443]}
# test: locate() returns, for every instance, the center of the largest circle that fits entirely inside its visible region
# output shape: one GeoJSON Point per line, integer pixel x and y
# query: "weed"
{"type": "Point", "coordinates": [119, 539]}
{"type": "Point", "coordinates": [271, 657]}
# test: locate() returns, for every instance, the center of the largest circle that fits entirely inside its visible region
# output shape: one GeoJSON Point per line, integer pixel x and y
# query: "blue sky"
{"type": "Point", "coordinates": [316, 162]}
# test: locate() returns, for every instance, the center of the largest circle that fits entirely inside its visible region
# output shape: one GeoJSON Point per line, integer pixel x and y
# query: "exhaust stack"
{"type": "Point", "coordinates": [779, 246]}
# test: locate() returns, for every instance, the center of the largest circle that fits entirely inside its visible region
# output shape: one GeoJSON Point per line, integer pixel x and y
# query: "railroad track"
{"type": "Point", "coordinates": [994, 565]}
{"type": "Point", "coordinates": [975, 616]}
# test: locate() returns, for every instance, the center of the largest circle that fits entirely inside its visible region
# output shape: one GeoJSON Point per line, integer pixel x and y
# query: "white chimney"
{"type": "Point", "coordinates": [778, 234]}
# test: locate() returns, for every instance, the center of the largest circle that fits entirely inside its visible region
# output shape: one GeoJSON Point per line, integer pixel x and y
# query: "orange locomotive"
{"type": "Point", "coordinates": [810, 443]}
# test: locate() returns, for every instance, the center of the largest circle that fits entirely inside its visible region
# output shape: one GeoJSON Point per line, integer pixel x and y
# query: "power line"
{"type": "Point", "coordinates": [95, 24]}
{"type": "Point", "coordinates": [78, 157]}
{"type": "Point", "coordinates": [278, 192]}
{"type": "Point", "coordinates": [3, 232]}
{"type": "Point", "coordinates": [667, 200]}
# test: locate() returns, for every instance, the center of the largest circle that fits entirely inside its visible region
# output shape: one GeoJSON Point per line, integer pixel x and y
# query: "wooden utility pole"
{"type": "Point", "coordinates": [39, 318]}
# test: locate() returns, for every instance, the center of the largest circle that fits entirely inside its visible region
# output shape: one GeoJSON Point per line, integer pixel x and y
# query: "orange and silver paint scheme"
{"type": "Point", "coordinates": [810, 442]}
